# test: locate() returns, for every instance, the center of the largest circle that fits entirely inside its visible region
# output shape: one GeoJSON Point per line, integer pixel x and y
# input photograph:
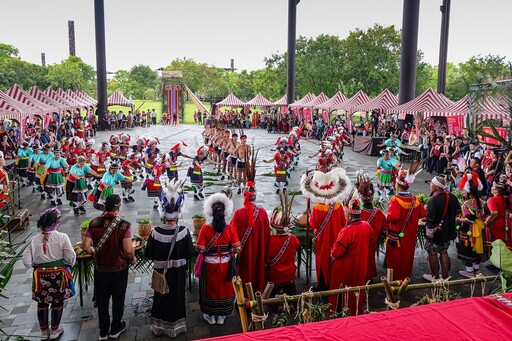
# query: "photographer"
{"type": "Point", "coordinates": [453, 178]}
{"type": "Point", "coordinates": [494, 167]}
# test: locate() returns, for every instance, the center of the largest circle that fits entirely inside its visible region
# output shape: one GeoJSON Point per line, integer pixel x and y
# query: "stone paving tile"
{"type": "Point", "coordinates": [81, 321]}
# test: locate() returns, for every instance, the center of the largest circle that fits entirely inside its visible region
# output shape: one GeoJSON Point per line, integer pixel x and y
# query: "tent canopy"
{"type": "Point", "coordinates": [283, 101]}
{"type": "Point", "coordinates": [54, 95]}
{"type": "Point", "coordinates": [322, 98]}
{"type": "Point", "coordinates": [359, 98]}
{"type": "Point", "coordinates": [19, 95]}
{"type": "Point", "coordinates": [429, 100]}
{"type": "Point", "coordinates": [230, 101]}
{"type": "Point", "coordinates": [383, 101]}
{"type": "Point", "coordinates": [300, 103]}
{"type": "Point", "coordinates": [338, 98]}
{"type": "Point", "coordinates": [71, 94]}
{"type": "Point", "coordinates": [42, 97]}
{"type": "Point", "coordinates": [117, 98]}
{"type": "Point", "coordinates": [259, 101]}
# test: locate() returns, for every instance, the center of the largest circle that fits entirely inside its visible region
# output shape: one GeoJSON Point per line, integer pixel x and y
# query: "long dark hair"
{"type": "Point", "coordinates": [473, 191]}
{"type": "Point", "coordinates": [219, 221]}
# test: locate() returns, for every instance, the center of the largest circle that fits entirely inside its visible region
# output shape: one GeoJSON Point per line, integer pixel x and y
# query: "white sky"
{"type": "Point", "coordinates": [154, 32]}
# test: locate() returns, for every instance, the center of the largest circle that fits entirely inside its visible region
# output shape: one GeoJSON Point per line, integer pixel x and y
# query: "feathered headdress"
{"type": "Point", "coordinates": [218, 198]}
{"type": "Point", "coordinates": [364, 186]}
{"type": "Point", "coordinates": [469, 177]}
{"type": "Point", "coordinates": [353, 206]}
{"type": "Point", "coordinates": [282, 215]}
{"type": "Point", "coordinates": [171, 199]}
{"type": "Point", "coordinates": [333, 186]}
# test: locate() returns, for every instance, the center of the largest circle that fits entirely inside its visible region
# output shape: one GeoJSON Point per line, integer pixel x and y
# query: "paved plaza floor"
{"type": "Point", "coordinates": [81, 322]}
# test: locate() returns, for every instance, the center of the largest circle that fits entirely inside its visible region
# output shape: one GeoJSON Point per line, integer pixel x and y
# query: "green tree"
{"type": "Point", "coordinates": [72, 73]}
{"type": "Point", "coordinates": [240, 84]}
{"type": "Point", "coordinates": [144, 78]}
{"type": "Point", "coordinates": [17, 71]}
{"type": "Point", "coordinates": [123, 83]}
{"type": "Point", "coordinates": [371, 60]}
{"type": "Point", "coordinates": [480, 69]}
{"type": "Point", "coordinates": [8, 51]}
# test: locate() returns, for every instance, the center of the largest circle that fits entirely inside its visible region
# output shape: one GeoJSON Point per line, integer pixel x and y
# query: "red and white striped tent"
{"type": "Point", "coordinates": [89, 99]}
{"type": "Point", "coordinates": [19, 95]}
{"type": "Point", "coordinates": [429, 100]}
{"type": "Point", "coordinates": [359, 98]}
{"type": "Point", "coordinates": [71, 94]}
{"type": "Point", "coordinates": [117, 98]}
{"type": "Point", "coordinates": [8, 110]}
{"type": "Point", "coordinates": [492, 109]}
{"type": "Point", "coordinates": [20, 110]}
{"type": "Point", "coordinates": [56, 97]}
{"type": "Point", "coordinates": [282, 102]}
{"type": "Point", "coordinates": [383, 101]}
{"type": "Point", "coordinates": [230, 101]}
{"type": "Point", "coordinates": [300, 103]}
{"type": "Point", "coordinates": [460, 107]}
{"type": "Point", "coordinates": [42, 97]}
{"type": "Point", "coordinates": [259, 101]}
{"type": "Point", "coordinates": [64, 95]}
{"type": "Point", "coordinates": [322, 98]}
{"type": "Point", "coordinates": [338, 98]}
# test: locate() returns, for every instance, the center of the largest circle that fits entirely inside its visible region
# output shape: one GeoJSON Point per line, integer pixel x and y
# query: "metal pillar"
{"type": "Point", "coordinates": [71, 37]}
{"type": "Point", "coordinates": [409, 50]}
{"type": "Point", "coordinates": [292, 31]}
{"type": "Point", "coordinates": [101, 63]}
{"type": "Point", "coordinates": [443, 46]}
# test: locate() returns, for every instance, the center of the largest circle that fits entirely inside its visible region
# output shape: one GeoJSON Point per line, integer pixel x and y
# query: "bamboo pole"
{"type": "Point", "coordinates": [279, 298]}
{"type": "Point", "coordinates": [254, 307]}
{"type": "Point", "coordinates": [268, 290]}
{"type": "Point", "coordinates": [259, 304]}
{"type": "Point", "coordinates": [240, 300]}
{"type": "Point", "coordinates": [387, 288]}
{"type": "Point", "coordinates": [403, 287]}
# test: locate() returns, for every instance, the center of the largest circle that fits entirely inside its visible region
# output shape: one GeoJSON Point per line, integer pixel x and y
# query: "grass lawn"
{"type": "Point", "coordinates": [157, 105]}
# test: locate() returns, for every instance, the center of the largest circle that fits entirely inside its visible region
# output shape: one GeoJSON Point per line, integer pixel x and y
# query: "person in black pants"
{"type": "Point", "coordinates": [112, 259]}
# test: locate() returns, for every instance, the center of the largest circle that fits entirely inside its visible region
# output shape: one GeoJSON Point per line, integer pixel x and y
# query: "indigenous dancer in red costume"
{"type": "Point", "coordinates": [218, 242]}
{"type": "Point", "coordinates": [98, 159]}
{"type": "Point", "coordinates": [373, 216]}
{"type": "Point", "coordinates": [282, 161]}
{"type": "Point", "coordinates": [327, 217]}
{"type": "Point", "coordinates": [404, 212]}
{"type": "Point", "coordinates": [252, 226]}
{"type": "Point", "coordinates": [282, 248]}
{"type": "Point", "coordinates": [350, 253]}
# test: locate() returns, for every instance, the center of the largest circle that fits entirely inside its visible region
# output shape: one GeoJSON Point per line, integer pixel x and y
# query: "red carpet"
{"type": "Point", "coordinates": [488, 318]}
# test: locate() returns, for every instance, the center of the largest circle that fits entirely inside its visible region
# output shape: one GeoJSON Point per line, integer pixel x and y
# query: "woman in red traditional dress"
{"type": "Point", "coordinates": [497, 223]}
{"type": "Point", "coordinates": [218, 242]}
{"type": "Point", "coordinates": [4, 182]}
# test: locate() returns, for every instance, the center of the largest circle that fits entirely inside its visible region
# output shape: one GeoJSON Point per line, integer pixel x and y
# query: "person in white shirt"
{"type": "Point", "coordinates": [51, 255]}
{"type": "Point", "coordinates": [153, 116]}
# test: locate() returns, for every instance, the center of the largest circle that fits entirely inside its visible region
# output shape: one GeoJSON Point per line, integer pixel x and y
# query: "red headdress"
{"type": "Point", "coordinates": [178, 145]}
{"type": "Point", "coordinates": [468, 177]}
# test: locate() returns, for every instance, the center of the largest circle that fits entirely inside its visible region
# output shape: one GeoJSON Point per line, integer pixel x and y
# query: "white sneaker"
{"type": "Point", "coordinates": [220, 319]}
{"type": "Point", "coordinates": [56, 333]}
{"type": "Point", "coordinates": [429, 278]}
{"type": "Point", "coordinates": [209, 319]}
{"type": "Point", "coordinates": [467, 274]}
{"type": "Point", "coordinates": [45, 334]}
